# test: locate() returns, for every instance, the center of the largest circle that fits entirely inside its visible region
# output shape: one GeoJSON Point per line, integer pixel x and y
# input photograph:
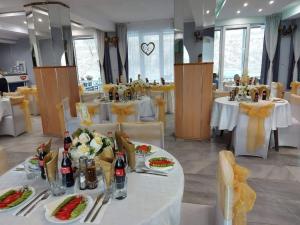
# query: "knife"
{"type": "Point", "coordinates": [32, 201]}
{"type": "Point", "coordinates": [152, 172]}
{"type": "Point", "coordinates": [94, 206]}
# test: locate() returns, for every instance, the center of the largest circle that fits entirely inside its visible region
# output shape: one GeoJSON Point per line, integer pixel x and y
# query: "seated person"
{"type": "Point", "coordinates": [215, 80]}
{"type": "Point", "coordinates": [3, 84]}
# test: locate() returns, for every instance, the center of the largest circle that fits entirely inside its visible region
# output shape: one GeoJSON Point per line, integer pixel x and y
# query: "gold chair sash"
{"type": "Point", "coordinates": [257, 114]}
{"type": "Point", "coordinates": [165, 88]}
{"type": "Point", "coordinates": [85, 114]}
{"type": "Point", "coordinates": [11, 94]}
{"type": "Point", "coordinates": [122, 111]}
{"type": "Point", "coordinates": [244, 196]}
{"type": "Point", "coordinates": [280, 90]}
{"type": "Point", "coordinates": [160, 103]}
{"type": "Point", "coordinates": [295, 86]}
{"type": "Point", "coordinates": [295, 99]}
{"type": "Point", "coordinates": [61, 117]}
{"type": "Point", "coordinates": [24, 105]}
{"type": "Point", "coordinates": [81, 89]}
{"type": "Point", "coordinates": [106, 87]}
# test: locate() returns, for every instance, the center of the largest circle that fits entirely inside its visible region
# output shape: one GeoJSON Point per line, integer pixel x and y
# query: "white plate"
{"type": "Point", "coordinates": [22, 203]}
{"type": "Point", "coordinates": [152, 151]}
{"type": "Point", "coordinates": [50, 207]}
{"type": "Point", "coordinates": [31, 166]}
{"type": "Point", "coordinates": [147, 164]}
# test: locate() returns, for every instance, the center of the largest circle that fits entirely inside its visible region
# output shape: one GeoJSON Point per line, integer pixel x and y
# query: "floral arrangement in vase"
{"type": "Point", "coordinates": [243, 93]}
{"type": "Point", "coordinates": [90, 144]}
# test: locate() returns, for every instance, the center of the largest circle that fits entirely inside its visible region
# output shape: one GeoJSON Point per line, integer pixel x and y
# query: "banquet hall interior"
{"type": "Point", "coordinates": [163, 112]}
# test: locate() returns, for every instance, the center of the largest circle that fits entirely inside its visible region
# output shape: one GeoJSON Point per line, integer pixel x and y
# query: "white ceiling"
{"type": "Point", "coordinates": [103, 14]}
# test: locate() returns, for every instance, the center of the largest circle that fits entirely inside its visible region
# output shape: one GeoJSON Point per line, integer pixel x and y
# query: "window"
{"type": "Point", "coordinates": [160, 63]}
{"type": "Point", "coordinates": [255, 51]}
{"type": "Point", "coordinates": [87, 63]}
{"type": "Point", "coordinates": [234, 52]}
{"type": "Point", "coordinates": [241, 48]}
{"type": "Point", "coordinates": [217, 51]}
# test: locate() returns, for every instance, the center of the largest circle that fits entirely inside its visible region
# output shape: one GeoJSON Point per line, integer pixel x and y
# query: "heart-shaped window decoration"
{"type": "Point", "coordinates": [147, 48]}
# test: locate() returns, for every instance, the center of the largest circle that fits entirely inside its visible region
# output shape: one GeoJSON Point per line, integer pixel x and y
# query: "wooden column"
{"type": "Point", "coordinates": [53, 85]}
{"type": "Point", "coordinates": [193, 100]}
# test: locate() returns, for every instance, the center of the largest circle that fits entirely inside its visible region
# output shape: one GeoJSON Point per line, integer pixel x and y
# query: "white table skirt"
{"type": "Point", "coordinates": [5, 108]}
{"type": "Point", "coordinates": [225, 114]}
{"type": "Point", "coordinates": [151, 200]}
{"type": "Point", "coordinates": [145, 108]}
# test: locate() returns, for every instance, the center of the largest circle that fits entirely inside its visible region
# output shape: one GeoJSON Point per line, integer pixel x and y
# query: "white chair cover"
{"type": "Point", "coordinates": [71, 123]}
{"type": "Point", "coordinates": [150, 132]}
{"type": "Point", "coordinates": [273, 93]}
{"type": "Point", "coordinates": [105, 128]}
{"type": "Point", "coordinates": [240, 137]}
{"type": "Point", "coordinates": [290, 136]}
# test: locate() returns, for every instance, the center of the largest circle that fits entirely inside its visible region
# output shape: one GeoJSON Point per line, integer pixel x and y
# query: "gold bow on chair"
{"type": "Point", "coordinates": [84, 114]}
{"type": "Point", "coordinates": [160, 103]}
{"type": "Point", "coordinates": [24, 105]}
{"type": "Point", "coordinates": [295, 86]}
{"type": "Point", "coordinates": [61, 118]}
{"type": "Point", "coordinates": [165, 88]}
{"type": "Point", "coordinates": [280, 90]}
{"type": "Point", "coordinates": [106, 87]}
{"type": "Point", "coordinates": [122, 111]}
{"type": "Point", "coordinates": [26, 91]}
{"type": "Point", "coordinates": [257, 114]}
{"type": "Point", "coordinates": [81, 89]}
{"type": "Point", "coordinates": [93, 109]}
{"type": "Point", "coordinates": [243, 195]}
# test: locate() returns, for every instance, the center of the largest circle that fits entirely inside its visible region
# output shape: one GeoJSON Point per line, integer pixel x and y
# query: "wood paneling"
{"type": "Point", "coordinates": [193, 100]}
{"type": "Point", "coordinates": [54, 84]}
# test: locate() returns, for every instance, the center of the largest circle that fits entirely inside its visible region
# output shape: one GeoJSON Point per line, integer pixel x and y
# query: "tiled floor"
{"type": "Point", "coordinates": [276, 180]}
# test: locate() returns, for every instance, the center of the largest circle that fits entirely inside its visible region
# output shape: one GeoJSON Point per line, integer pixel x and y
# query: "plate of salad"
{"type": "Point", "coordinates": [143, 149]}
{"type": "Point", "coordinates": [160, 163]}
{"type": "Point", "coordinates": [32, 163]}
{"type": "Point", "coordinates": [11, 198]}
{"type": "Point", "coordinates": [67, 209]}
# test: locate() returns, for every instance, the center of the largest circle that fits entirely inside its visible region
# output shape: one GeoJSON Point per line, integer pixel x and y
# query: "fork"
{"type": "Point", "coordinates": [45, 196]}
{"type": "Point", "coordinates": [105, 200]}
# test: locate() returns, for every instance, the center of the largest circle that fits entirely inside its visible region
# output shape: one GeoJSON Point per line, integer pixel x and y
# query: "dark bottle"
{"type": "Point", "coordinates": [162, 81]}
{"type": "Point", "coordinates": [120, 173]}
{"type": "Point", "coordinates": [147, 81]}
{"type": "Point", "coordinates": [264, 95]}
{"type": "Point", "coordinates": [111, 96]}
{"type": "Point", "coordinates": [66, 170]}
{"type": "Point", "coordinates": [117, 97]}
{"type": "Point", "coordinates": [129, 95]}
{"type": "Point", "coordinates": [130, 80]}
{"type": "Point", "coordinates": [117, 81]}
{"type": "Point", "coordinates": [256, 97]}
{"type": "Point", "coordinates": [42, 154]}
{"type": "Point", "coordinates": [67, 141]}
{"type": "Point", "coordinates": [238, 83]}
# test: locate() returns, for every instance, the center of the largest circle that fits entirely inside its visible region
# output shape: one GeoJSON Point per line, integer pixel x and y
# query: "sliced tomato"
{"type": "Point", "coordinates": [3, 205]}
{"type": "Point", "coordinates": [62, 215]}
{"type": "Point", "coordinates": [12, 198]}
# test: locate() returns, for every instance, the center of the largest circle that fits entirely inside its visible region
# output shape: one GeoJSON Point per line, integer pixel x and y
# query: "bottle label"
{"type": "Point", "coordinates": [65, 170]}
{"type": "Point", "coordinates": [41, 163]}
{"type": "Point", "coordinates": [120, 172]}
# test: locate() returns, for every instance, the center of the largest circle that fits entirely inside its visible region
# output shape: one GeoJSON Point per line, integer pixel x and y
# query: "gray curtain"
{"type": "Point", "coordinates": [107, 64]}
{"type": "Point", "coordinates": [100, 37]}
{"type": "Point", "coordinates": [265, 64]}
{"type": "Point", "coordinates": [291, 65]}
{"type": "Point", "coordinates": [122, 49]}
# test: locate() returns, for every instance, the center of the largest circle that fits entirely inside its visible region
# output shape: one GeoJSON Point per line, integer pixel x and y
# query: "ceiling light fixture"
{"type": "Point", "coordinates": [238, 12]}
{"type": "Point", "coordinates": [40, 20]}
{"type": "Point", "coordinates": [24, 22]}
{"type": "Point", "coordinates": [271, 2]}
{"type": "Point", "coordinates": [245, 4]}
{"type": "Point", "coordinates": [260, 10]}
{"type": "Point", "coordinates": [207, 11]}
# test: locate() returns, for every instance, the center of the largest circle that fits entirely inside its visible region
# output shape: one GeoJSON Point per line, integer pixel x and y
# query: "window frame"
{"type": "Point", "coordinates": [246, 40]}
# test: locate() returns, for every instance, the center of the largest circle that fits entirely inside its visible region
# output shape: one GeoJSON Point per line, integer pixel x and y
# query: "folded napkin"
{"type": "Point", "coordinates": [130, 152]}
{"type": "Point", "coordinates": [51, 165]}
{"type": "Point", "coordinates": [47, 146]}
{"type": "Point", "coordinates": [118, 135]}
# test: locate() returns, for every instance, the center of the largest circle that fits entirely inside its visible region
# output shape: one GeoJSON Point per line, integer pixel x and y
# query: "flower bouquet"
{"type": "Point", "coordinates": [140, 86]}
{"type": "Point", "coordinates": [244, 93]}
{"type": "Point", "coordinates": [89, 144]}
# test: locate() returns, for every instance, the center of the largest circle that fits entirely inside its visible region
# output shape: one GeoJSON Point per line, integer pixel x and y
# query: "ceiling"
{"type": "Point", "coordinates": [103, 14]}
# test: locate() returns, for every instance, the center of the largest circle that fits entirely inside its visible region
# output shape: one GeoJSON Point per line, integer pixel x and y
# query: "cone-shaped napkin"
{"type": "Point", "coordinates": [118, 135]}
{"type": "Point", "coordinates": [51, 165]}
{"type": "Point", "coordinates": [130, 152]}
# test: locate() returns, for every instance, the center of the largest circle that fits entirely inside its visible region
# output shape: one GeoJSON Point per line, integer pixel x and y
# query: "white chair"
{"type": "Point", "coordinates": [71, 123]}
{"type": "Point", "coordinates": [105, 128]}
{"type": "Point", "coordinates": [148, 132]}
{"type": "Point", "coordinates": [290, 136]}
{"type": "Point", "coordinates": [240, 137]}
{"type": "Point", "coordinates": [277, 90]}
{"type": "Point", "coordinates": [96, 118]}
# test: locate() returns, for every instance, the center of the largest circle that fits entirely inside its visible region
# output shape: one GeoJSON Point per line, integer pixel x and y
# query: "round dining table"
{"type": "Point", "coordinates": [5, 108]}
{"type": "Point", "coordinates": [225, 114]}
{"type": "Point", "coordinates": [151, 199]}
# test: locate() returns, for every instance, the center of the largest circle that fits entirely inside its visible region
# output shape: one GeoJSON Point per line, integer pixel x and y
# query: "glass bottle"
{"type": "Point", "coordinates": [67, 171]}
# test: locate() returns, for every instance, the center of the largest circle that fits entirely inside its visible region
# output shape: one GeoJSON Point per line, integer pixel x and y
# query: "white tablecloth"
{"type": "Point", "coordinates": [225, 114]}
{"type": "Point", "coordinates": [5, 108]}
{"type": "Point", "coordinates": [145, 108]}
{"type": "Point", "coordinates": [169, 97]}
{"type": "Point", "coordinates": [151, 200]}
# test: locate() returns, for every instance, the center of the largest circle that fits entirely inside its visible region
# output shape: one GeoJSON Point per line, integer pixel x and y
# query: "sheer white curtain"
{"type": "Point", "coordinates": [296, 45]}
{"type": "Point", "coordinates": [271, 38]}
{"type": "Point", "coordinates": [160, 63]}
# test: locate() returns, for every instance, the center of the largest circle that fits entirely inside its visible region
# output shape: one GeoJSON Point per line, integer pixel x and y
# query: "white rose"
{"type": "Point", "coordinates": [84, 138]}
{"type": "Point", "coordinates": [96, 143]}
{"type": "Point", "coordinates": [75, 141]}
{"type": "Point", "coordinates": [84, 148]}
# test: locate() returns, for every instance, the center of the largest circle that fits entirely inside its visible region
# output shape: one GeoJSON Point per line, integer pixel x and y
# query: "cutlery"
{"type": "Point", "coordinates": [152, 172]}
{"type": "Point", "coordinates": [105, 201]}
{"type": "Point", "coordinates": [45, 196]}
{"type": "Point", "coordinates": [31, 202]}
{"type": "Point", "coordinates": [94, 206]}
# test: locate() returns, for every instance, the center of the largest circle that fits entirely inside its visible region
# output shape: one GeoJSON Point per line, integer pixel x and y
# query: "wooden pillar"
{"type": "Point", "coordinates": [193, 100]}
{"type": "Point", "coordinates": [53, 85]}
